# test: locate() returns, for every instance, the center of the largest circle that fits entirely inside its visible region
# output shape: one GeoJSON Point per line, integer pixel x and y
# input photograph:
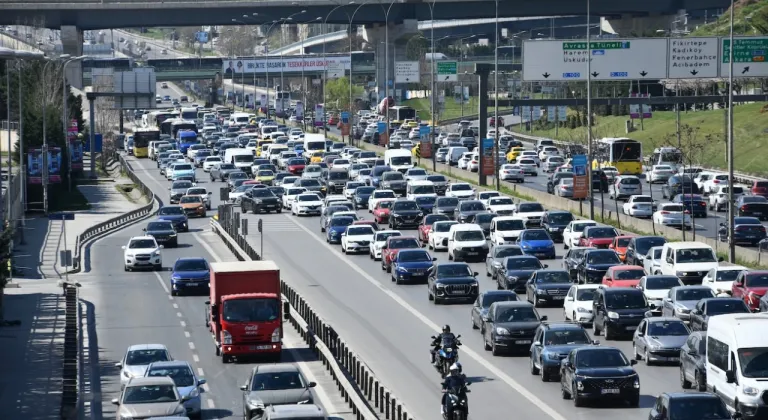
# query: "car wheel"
{"type": "Point", "coordinates": [634, 401]}
{"type": "Point", "coordinates": [494, 350]}
{"type": "Point", "coordinates": [158, 267]}
{"type": "Point", "coordinates": [174, 293]}
{"type": "Point", "coordinates": [545, 376]}
{"type": "Point", "coordinates": [701, 382]}
{"type": "Point", "coordinates": [577, 401]}
{"type": "Point", "coordinates": [127, 268]}
{"type": "Point", "coordinates": [646, 357]}
{"type": "Point", "coordinates": [389, 268]}
{"type": "Point", "coordinates": [684, 383]}
{"type": "Point", "coordinates": [534, 370]}
{"type": "Point", "coordinates": [429, 296]}
{"type": "Point", "coordinates": [608, 333]}
{"type": "Point", "coordinates": [635, 354]}
{"type": "Point", "coordinates": [595, 331]}
{"type": "Point", "coordinates": [472, 321]}
{"type": "Point", "coordinates": [563, 393]}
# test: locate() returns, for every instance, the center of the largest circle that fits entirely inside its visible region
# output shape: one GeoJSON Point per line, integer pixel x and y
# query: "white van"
{"type": "Point", "coordinates": [398, 159]}
{"type": "Point", "coordinates": [689, 261]}
{"type": "Point", "coordinates": [241, 158]}
{"type": "Point", "coordinates": [417, 189]}
{"type": "Point", "coordinates": [506, 229]}
{"type": "Point", "coordinates": [466, 241]}
{"type": "Point", "coordinates": [239, 118]}
{"type": "Point", "coordinates": [273, 152]}
{"type": "Point", "coordinates": [454, 154]}
{"type": "Point", "coordinates": [736, 351]}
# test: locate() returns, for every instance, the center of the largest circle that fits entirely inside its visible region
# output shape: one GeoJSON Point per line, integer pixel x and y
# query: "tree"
{"type": "Point", "coordinates": [692, 148]}
{"type": "Point", "coordinates": [6, 250]}
{"type": "Point", "coordinates": [337, 93]}
{"type": "Point", "coordinates": [238, 40]}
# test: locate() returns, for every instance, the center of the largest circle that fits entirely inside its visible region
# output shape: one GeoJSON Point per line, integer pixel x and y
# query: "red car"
{"type": "Point", "coordinates": [623, 276]}
{"type": "Point", "coordinates": [371, 223]}
{"type": "Point", "coordinates": [296, 166]}
{"type": "Point", "coordinates": [493, 122]}
{"type": "Point", "coordinates": [381, 211]}
{"type": "Point", "coordinates": [393, 246]}
{"type": "Point", "coordinates": [760, 188]}
{"type": "Point", "coordinates": [619, 245]}
{"type": "Point", "coordinates": [333, 120]}
{"type": "Point", "coordinates": [426, 225]}
{"type": "Point", "coordinates": [598, 236]}
{"type": "Point", "coordinates": [750, 286]}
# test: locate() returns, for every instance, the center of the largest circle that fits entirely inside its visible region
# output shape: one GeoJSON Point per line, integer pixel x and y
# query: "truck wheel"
{"type": "Point", "coordinates": [225, 358]}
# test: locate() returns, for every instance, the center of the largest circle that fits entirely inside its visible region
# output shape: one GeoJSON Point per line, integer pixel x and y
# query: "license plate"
{"type": "Point", "coordinates": [541, 254]}
{"type": "Point", "coordinates": [523, 342]}
{"type": "Point", "coordinates": [559, 297]}
{"type": "Point", "coordinates": [631, 328]}
{"type": "Point", "coordinates": [609, 391]}
{"type": "Point", "coordinates": [264, 347]}
{"type": "Point", "coordinates": [192, 284]}
{"type": "Point", "coordinates": [473, 253]}
{"type": "Point", "coordinates": [751, 236]}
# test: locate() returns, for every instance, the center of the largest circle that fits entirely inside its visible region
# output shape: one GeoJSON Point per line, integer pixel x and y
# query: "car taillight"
{"type": "Point", "coordinates": [716, 181]}
{"type": "Point", "coordinates": [687, 212]}
{"type": "Point", "coordinates": [664, 212]}
{"type": "Point", "coordinates": [743, 208]}
{"type": "Point", "coordinates": [702, 204]}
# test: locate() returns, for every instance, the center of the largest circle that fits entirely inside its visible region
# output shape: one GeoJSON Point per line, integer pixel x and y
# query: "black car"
{"type": "Point", "coordinates": [694, 203]}
{"type": "Point", "coordinates": [440, 182]}
{"type": "Point", "coordinates": [678, 184]}
{"type": "Point", "coordinates": [395, 181]}
{"type": "Point", "coordinates": [554, 222]}
{"type": "Point", "coordinates": [163, 232]}
{"type": "Point", "coordinates": [693, 362]}
{"type": "Point", "coordinates": [466, 211]}
{"type": "Point", "coordinates": [618, 311]}
{"type": "Point", "coordinates": [510, 327]}
{"type": "Point", "coordinates": [572, 259]}
{"type": "Point", "coordinates": [599, 181]}
{"type": "Point", "coordinates": [336, 180]}
{"type": "Point", "coordinates": [555, 178]}
{"type": "Point", "coordinates": [278, 192]}
{"type": "Point", "coordinates": [259, 200]}
{"type": "Point", "coordinates": [361, 197]}
{"type": "Point", "coordinates": [552, 343]}
{"type": "Point", "coordinates": [595, 264]}
{"type": "Point", "coordinates": [752, 205]}
{"type": "Point", "coordinates": [548, 287]}
{"type": "Point", "coordinates": [446, 206]}
{"type": "Point", "coordinates": [515, 272]}
{"type": "Point", "coordinates": [639, 246]}
{"type": "Point", "coordinates": [746, 230]}
{"type": "Point", "coordinates": [495, 258]}
{"type": "Point", "coordinates": [426, 203]}
{"type": "Point", "coordinates": [483, 219]}
{"type": "Point", "coordinates": [480, 309]}
{"type": "Point", "coordinates": [689, 405]}
{"type": "Point", "coordinates": [710, 307]}
{"type": "Point", "coordinates": [452, 282]}
{"type": "Point", "coordinates": [236, 176]}
{"type": "Point", "coordinates": [469, 142]}
{"type": "Point", "coordinates": [405, 214]}
{"type": "Point", "coordinates": [599, 373]}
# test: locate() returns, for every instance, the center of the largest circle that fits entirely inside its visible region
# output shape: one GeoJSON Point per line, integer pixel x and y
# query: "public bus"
{"type": "Point", "coordinates": [626, 155]}
{"type": "Point", "coordinates": [141, 138]}
{"type": "Point", "coordinates": [155, 118]}
{"type": "Point", "coordinates": [181, 124]}
{"type": "Point", "coordinates": [398, 114]}
{"type": "Point", "coordinates": [671, 156]}
{"type": "Point", "coordinates": [189, 113]}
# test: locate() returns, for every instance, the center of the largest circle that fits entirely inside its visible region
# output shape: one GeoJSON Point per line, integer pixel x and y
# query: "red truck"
{"type": "Point", "coordinates": [245, 311]}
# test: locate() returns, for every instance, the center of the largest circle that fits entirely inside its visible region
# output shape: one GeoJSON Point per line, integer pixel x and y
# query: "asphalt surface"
{"type": "Point", "coordinates": [123, 308]}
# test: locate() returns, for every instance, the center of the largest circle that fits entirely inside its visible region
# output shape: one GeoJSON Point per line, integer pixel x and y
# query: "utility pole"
{"type": "Point", "coordinates": [731, 243]}
{"type": "Point", "coordinates": [589, 119]}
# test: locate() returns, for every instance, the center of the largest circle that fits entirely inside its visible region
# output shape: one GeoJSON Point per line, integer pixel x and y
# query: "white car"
{"type": "Point", "coordinates": [340, 163]}
{"type": "Point", "coordinates": [573, 232]}
{"type": "Point", "coordinates": [142, 252]}
{"type": "Point", "coordinates": [528, 166]}
{"type": "Point", "coordinates": [312, 171]}
{"type": "Point", "coordinates": [438, 235]}
{"type": "Point", "coordinates": [202, 193]}
{"type": "Point", "coordinates": [460, 190]}
{"type": "Point", "coordinates": [350, 187]}
{"type": "Point", "coordinates": [306, 204]}
{"type": "Point", "coordinates": [379, 239]}
{"type": "Point", "coordinates": [578, 303]}
{"type": "Point", "coordinates": [652, 260]}
{"type": "Point", "coordinates": [512, 172]}
{"type": "Point", "coordinates": [671, 214]}
{"type": "Point", "coordinates": [701, 178]}
{"type": "Point", "coordinates": [287, 181]}
{"type": "Point", "coordinates": [464, 160]}
{"type": "Point", "coordinates": [719, 180]}
{"type": "Point", "coordinates": [416, 174]}
{"type": "Point", "coordinates": [380, 195]}
{"type": "Point", "coordinates": [414, 134]}
{"type": "Point", "coordinates": [548, 151]}
{"type": "Point", "coordinates": [137, 359]}
{"type": "Point", "coordinates": [474, 164]}
{"type": "Point", "coordinates": [505, 230]}
{"type": "Point", "coordinates": [638, 206]}
{"type": "Point", "coordinates": [193, 149]}
{"type": "Point", "coordinates": [656, 288]}
{"type": "Point", "coordinates": [503, 206]}
{"type": "Point", "coordinates": [530, 154]}
{"type": "Point", "coordinates": [290, 195]}
{"type": "Point", "coordinates": [210, 162]}
{"type": "Point", "coordinates": [357, 238]}
{"type": "Point", "coordinates": [485, 196]}
{"type": "Point", "coordinates": [530, 212]}
{"type": "Point", "coordinates": [720, 279]}
{"type": "Point", "coordinates": [236, 195]}
{"type": "Point", "coordinates": [355, 168]}
{"type": "Point", "coordinates": [718, 199]}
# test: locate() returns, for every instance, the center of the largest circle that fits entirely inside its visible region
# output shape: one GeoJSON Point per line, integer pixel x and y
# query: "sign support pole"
{"type": "Point", "coordinates": [731, 243]}
{"type": "Point", "coordinates": [589, 117]}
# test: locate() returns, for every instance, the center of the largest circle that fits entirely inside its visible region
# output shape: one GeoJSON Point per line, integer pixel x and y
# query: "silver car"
{"type": "Point", "coordinates": [138, 358]}
{"type": "Point", "coordinates": [659, 339]}
{"type": "Point", "coordinates": [660, 174]}
{"type": "Point", "coordinates": [682, 299]}
{"type": "Point", "coordinates": [187, 383]}
{"type": "Point", "coordinates": [625, 186]}
{"type": "Point", "coordinates": [144, 398]}
{"type": "Point", "coordinates": [652, 260]}
{"type": "Point", "coordinates": [277, 384]}
{"type": "Point", "coordinates": [564, 188]}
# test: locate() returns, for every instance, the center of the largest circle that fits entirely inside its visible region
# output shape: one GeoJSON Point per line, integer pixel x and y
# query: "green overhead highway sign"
{"type": "Point", "coordinates": [447, 71]}
{"type": "Point", "coordinates": [749, 57]}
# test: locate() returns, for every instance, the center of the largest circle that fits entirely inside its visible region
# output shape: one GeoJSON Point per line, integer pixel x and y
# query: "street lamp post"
{"type": "Point", "coordinates": [325, 65]}
{"type": "Point", "coordinates": [266, 54]}
{"type": "Point", "coordinates": [254, 70]}
{"type": "Point", "coordinates": [351, 18]}
{"type": "Point", "coordinates": [282, 21]}
{"type": "Point", "coordinates": [434, 85]}
{"type": "Point", "coordinates": [303, 79]}
{"type": "Point", "coordinates": [731, 243]}
{"type": "Point", "coordinates": [589, 116]}
{"type": "Point", "coordinates": [64, 116]}
{"type": "Point", "coordinates": [496, 102]}
{"type": "Point", "coordinates": [45, 137]}
{"type": "Point", "coordinates": [386, 60]}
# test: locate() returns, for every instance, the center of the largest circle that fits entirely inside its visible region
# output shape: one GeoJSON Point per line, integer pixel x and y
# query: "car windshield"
{"type": "Point", "coordinates": [509, 225]}
{"type": "Point", "coordinates": [342, 221]}
{"type": "Point", "coordinates": [383, 236]}
{"type": "Point", "coordinates": [553, 277]}
{"type": "Point", "coordinates": [145, 357]}
{"type": "Point", "coordinates": [274, 381]}
{"type": "Point", "coordinates": [309, 197]}
{"type": "Point", "coordinates": [191, 199]}
{"type": "Point", "coordinates": [601, 232]}
{"type": "Point", "coordinates": [423, 189]}
{"type": "Point", "coordinates": [182, 376]}
{"type": "Point", "coordinates": [560, 218]}
{"type": "Point", "coordinates": [722, 306]}
{"type": "Point", "coordinates": [471, 206]}
{"type": "Point", "coordinates": [454, 270]}
{"type": "Point", "coordinates": [692, 294]}
{"type": "Point", "coordinates": [754, 199]}
{"type": "Point", "coordinates": [756, 280]}
{"type": "Point", "coordinates": [385, 204]}
{"type": "Point", "coordinates": [191, 265]}
{"type": "Point", "coordinates": [197, 191]}
{"type": "Point", "coordinates": [666, 328]}
{"type": "Point", "coordinates": [362, 230]}
{"type": "Point", "coordinates": [251, 310]}
{"type": "Point", "coordinates": [754, 362]}
{"type": "Point", "coordinates": [529, 207]}
{"type": "Point", "coordinates": [226, 166]}
{"type": "Point", "coordinates": [501, 201]}
{"type": "Point", "coordinates": [155, 226]}
{"type": "Point", "coordinates": [418, 256]}
{"type": "Point", "coordinates": [262, 193]}
{"type": "Point", "coordinates": [309, 182]}
{"type": "Point", "coordinates": [437, 178]}
{"type": "Point", "coordinates": [447, 202]}
{"type": "Point", "coordinates": [584, 295]}
{"type": "Point", "coordinates": [695, 255]}
{"type": "Point", "coordinates": [170, 211]}
{"type": "Point", "coordinates": [535, 235]}
{"type": "Point", "coordinates": [443, 227]}
{"type": "Point", "coordinates": [516, 314]}
{"type": "Point", "coordinates": [643, 245]}
{"type": "Point", "coordinates": [698, 408]}
{"type": "Point", "coordinates": [182, 167]}
{"type": "Point", "coordinates": [661, 282]}
{"type": "Point", "coordinates": [403, 243]}
{"type": "Point", "coordinates": [563, 337]}
{"type": "Point", "coordinates": [265, 173]}
{"type": "Point", "coordinates": [602, 358]}
{"type": "Point", "coordinates": [425, 200]}
{"type": "Point", "coordinates": [461, 187]}
{"type": "Point", "coordinates": [178, 185]}
{"type": "Point", "coordinates": [628, 274]}
{"type": "Point", "coordinates": [392, 176]}
{"type": "Point", "coordinates": [338, 174]}
{"type": "Point", "coordinates": [237, 175]}
{"type": "Point", "coordinates": [405, 205]}
{"type": "Point", "coordinates": [384, 194]}
{"type": "Point", "coordinates": [727, 275]}
{"type": "Point", "coordinates": [149, 394]}
{"type": "Point", "coordinates": [625, 300]}
{"type": "Point", "coordinates": [484, 218]}
{"type": "Point", "coordinates": [523, 264]}
{"type": "Point", "coordinates": [491, 298]}
{"type": "Point", "coordinates": [354, 185]}
{"type": "Point", "coordinates": [579, 227]}
{"type": "Point", "coordinates": [417, 172]}
{"type": "Point", "coordinates": [142, 244]}
{"type": "Point", "coordinates": [470, 235]}
{"type": "Point", "coordinates": [622, 242]}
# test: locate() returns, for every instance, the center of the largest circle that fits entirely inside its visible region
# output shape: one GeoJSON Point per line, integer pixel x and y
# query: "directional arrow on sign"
{"type": "Point", "coordinates": [546, 75]}
{"type": "Point", "coordinates": [643, 73]}
{"type": "Point", "coordinates": [694, 72]}
{"type": "Point", "coordinates": [407, 79]}
{"type": "Point", "coordinates": [595, 74]}
{"type": "Point", "coordinates": [447, 77]}
{"type": "Point", "coordinates": [746, 70]}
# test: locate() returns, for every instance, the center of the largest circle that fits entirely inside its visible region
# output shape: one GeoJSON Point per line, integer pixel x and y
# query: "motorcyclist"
{"type": "Point", "coordinates": [454, 380]}
{"type": "Point", "coordinates": [438, 341]}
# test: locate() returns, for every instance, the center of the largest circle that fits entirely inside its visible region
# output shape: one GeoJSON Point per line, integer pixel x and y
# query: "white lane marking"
{"type": "Point", "coordinates": [175, 306]}
{"type": "Point", "coordinates": [321, 394]}
{"type": "Point", "coordinates": [186, 334]}
{"type": "Point", "coordinates": [200, 372]}
{"type": "Point", "coordinates": [210, 403]}
{"type": "Point", "coordinates": [178, 314]}
{"type": "Point", "coordinates": [191, 345]}
{"type": "Point", "coordinates": [196, 358]}
{"type": "Point", "coordinates": [207, 247]}
{"type": "Point", "coordinates": [183, 324]}
{"type": "Point", "coordinates": [520, 388]}
{"type": "Point", "coordinates": [162, 283]}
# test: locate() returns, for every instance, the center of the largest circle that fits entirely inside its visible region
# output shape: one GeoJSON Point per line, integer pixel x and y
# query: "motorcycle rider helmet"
{"type": "Point", "coordinates": [455, 368]}
{"type": "Point", "coordinates": [458, 366]}
{"type": "Point", "coordinates": [446, 329]}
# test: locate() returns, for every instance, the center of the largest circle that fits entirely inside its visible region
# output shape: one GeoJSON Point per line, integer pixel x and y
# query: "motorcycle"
{"type": "Point", "coordinates": [456, 406]}
{"type": "Point", "coordinates": [448, 354]}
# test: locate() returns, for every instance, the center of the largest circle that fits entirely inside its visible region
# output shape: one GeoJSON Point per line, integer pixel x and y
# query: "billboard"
{"type": "Point", "coordinates": [76, 155]}
{"type": "Point", "coordinates": [580, 178]}
{"type": "Point", "coordinates": [319, 115]}
{"type": "Point", "coordinates": [54, 165]}
{"type": "Point", "coordinates": [35, 166]}
{"type": "Point", "coordinates": [300, 110]}
{"type": "Point", "coordinates": [286, 64]}
{"type": "Point", "coordinates": [489, 168]}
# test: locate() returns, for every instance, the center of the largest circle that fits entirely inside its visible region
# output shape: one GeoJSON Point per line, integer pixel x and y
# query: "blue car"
{"type": "Point", "coordinates": [412, 265]}
{"type": "Point", "coordinates": [361, 197]}
{"type": "Point", "coordinates": [200, 158]}
{"type": "Point", "coordinates": [183, 171]}
{"type": "Point", "coordinates": [336, 227]}
{"type": "Point", "coordinates": [538, 243]}
{"type": "Point", "coordinates": [299, 149]}
{"type": "Point", "coordinates": [186, 138]}
{"type": "Point", "coordinates": [552, 343]}
{"type": "Point", "coordinates": [176, 215]}
{"type": "Point", "coordinates": [377, 172]}
{"type": "Point", "coordinates": [426, 203]}
{"type": "Point", "coordinates": [190, 275]}
{"type": "Point", "coordinates": [695, 204]}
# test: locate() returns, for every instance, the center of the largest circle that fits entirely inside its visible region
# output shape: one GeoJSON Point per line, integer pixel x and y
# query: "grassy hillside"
{"type": "Point", "coordinates": [750, 17]}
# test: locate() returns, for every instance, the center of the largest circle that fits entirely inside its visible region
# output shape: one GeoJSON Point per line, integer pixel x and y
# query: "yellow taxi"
{"type": "Point", "coordinates": [514, 153]}
{"type": "Point", "coordinates": [265, 176]}
{"type": "Point", "coordinates": [410, 124]}
{"type": "Point", "coordinates": [317, 157]}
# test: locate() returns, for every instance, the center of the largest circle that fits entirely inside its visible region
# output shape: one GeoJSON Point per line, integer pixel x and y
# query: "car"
{"type": "Point", "coordinates": [750, 286]}
{"type": "Point", "coordinates": [190, 274]}
{"type": "Point", "coordinates": [555, 222]}
{"type": "Point", "coordinates": [378, 195]}
{"type": "Point", "coordinates": [693, 405]}
{"type": "Point", "coordinates": [426, 225]}
{"type": "Point", "coordinates": [142, 252]}
{"type": "Point", "coordinates": [639, 206]}
{"type": "Point", "coordinates": [537, 242]}
{"type": "Point", "coordinates": [673, 214]}
{"type": "Point", "coordinates": [236, 195]}
{"type": "Point", "coordinates": [379, 239]}
{"type": "Point", "coordinates": [678, 184]}
{"type": "Point", "coordinates": [694, 204]}
{"type": "Point", "coordinates": [755, 206]}
{"type": "Point", "coordinates": [657, 287]}
{"type": "Point", "coordinates": [598, 236]}
{"type": "Point", "coordinates": [306, 204]}
{"type": "Point", "coordinates": [188, 385]}
{"type": "Point", "coordinates": [681, 300]}
{"type": "Point", "coordinates": [210, 162]}
{"type": "Point", "coordinates": [638, 247]}
{"type": "Point", "coordinates": [137, 359]}
{"type": "Point", "coordinates": [619, 245]}
{"type": "Point", "coordinates": [505, 230]}
{"type": "Point", "coordinates": [515, 272]}
{"type": "Point", "coordinates": [578, 303]}
{"type": "Point", "coordinates": [404, 213]}
{"type": "Point", "coordinates": [326, 214]}
{"type": "Point", "coordinates": [221, 171]}
{"type": "Point", "coordinates": [179, 189]}
{"type": "Point", "coordinates": [266, 177]}
{"type": "Point", "coordinates": [659, 174]}
{"type": "Point", "coordinates": [595, 264]}
{"type": "Point", "coordinates": [659, 340]}
{"type": "Point", "coordinates": [583, 370]}
{"type": "Point", "coordinates": [236, 178]}
{"type": "Point", "coordinates": [356, 238]}
{"type": "Point", "coordinates": [693, 362]}
{"type": "Point", "coordinates": [164, 85]}
{"type": "Point", "coordinates": [623, 276]}
{"type": "Point", "coordinates": [193, 205]}
{"type": "Point", "coordinates": [176, 215]}
{"type": "Point", "coordinates": [437, 238]}
{"type": "Point", "coordinates": [531, 212]}
{"type": "Point", "coordinates": [483, 303]}
{"type": "Point", "coordinates": [336, 227]}
{"type": "Point", "coordinates": [393, 246]}
{"type": "Point", "coordinates": [564, 188]}
{"type": "Point", "coordinates": [709, 307]}
{"type": "Point", "coordinates": [720, 279]}
{"type": "Point", "coordinates": [502, 206]}
{"type": "Point", "coordinates": [719, 199]}
{"type": "Point", "coordinates": [460, 190]}
{"type": "Point", "coordinates": [281, 384]}
{"type": "Point", "coordinates": [617, 311]}
{"type": "Point", "coordinates": [547, 287]}
{"type": "Point", "coordinates": [152, 397]}
{"type": "Point", "coordinates": [511, 172]}
{"type": "Point", "coordinates": [411, 265]}
{"type": "Point", "coordinates": [551, 345]}
{"type": "Point", "coordinates": [503, 319]}
{"type": "Point", "coordinates": [257, 200]}
{"type": "Point", "coordinates": [163, 232]}
{"type": "Point", "coordinates": [554, 180]}
{"type": "Point", "coordinates": [394, 181]}
{"type": "Point", "coordinates": [746, 230]}
{"type": "Point", "coordinates": [446, 206]}
{"type": "Point", "coordinates": [574, 231]}
{"type": "Point", "coordinates": [528, 166]}
{"type": "Point", "coordinates": [182, 171]}
{"type": "Point", "coordinates": [201, 192]}
{"type": "Point", "coordinates": [572, 259]}
{"type": "Point", "coordinates": [290, 196]}
{"type": "Point", "coordinates": [718, 180]}
{"type": "Point", "coordinates": [652, 260]}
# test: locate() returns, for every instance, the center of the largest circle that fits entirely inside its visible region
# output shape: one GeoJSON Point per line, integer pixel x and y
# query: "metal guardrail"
{"type": "Point", "coordinates": [344, 365]}
{"type": "Point", "coordinates": [70, 395]}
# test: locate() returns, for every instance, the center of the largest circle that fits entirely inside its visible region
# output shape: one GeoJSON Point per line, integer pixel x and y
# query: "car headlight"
{"type": "Point", "coordinates": [582, 310]}
{"type": "Point", "coordinates": [126, 417]}
{"type": "Point", "coordinates": [502, 331]}
{"type": "Point", "coordinates": [613, 315]}
{"type": "Point", "coordinates": [127, 374]}
{"type": "Point", "coordinates": [156, 253]}
{"type": "Point", "coordinates": [526, 247]}
{"type": "Point", "coordinates": [553, 356]}
{"type": "Point", "coordinates": [748, 390]}
{"type": "Point", "coordinates": [680, 274]}
{"type": "Point", "coordinates": [401, 269]}
{"type": "Point", "coordinates": [194, 393]}
{"type": "Point", "coordinates": [497, 264]}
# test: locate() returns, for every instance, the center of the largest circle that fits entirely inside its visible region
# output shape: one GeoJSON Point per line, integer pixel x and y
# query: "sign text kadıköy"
{"type": "Point", "coordinates": [693, 58]}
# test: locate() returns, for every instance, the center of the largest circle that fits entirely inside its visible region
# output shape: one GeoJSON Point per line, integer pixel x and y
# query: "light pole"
{"type": "Point", "coordinates": [303, 79]}
{"type": "Point", "coordinates": [282, 80]}
{"type": "Point", "coordinates": [386, 60]}
{"type": "Point", "coordinates": [8, 54]}
{"type": "Point", "coordinates": [325, 65]}
{"type": "Point", "coordinates": [731, 243]}
{"type": "Point", "coordinates": [242, 73]}
{"type": "Point", "coordinates": [351, 18]}
{"type": "Point", "coordinates": [496, 102]}
{"type": "Point", "coordinates": [266, 64]}
{"type": "Point", "coordinates": [433, 91]}
{"type": "Point", "coordinates": [253, 16]}
{"type": "Point", "coordinates": [64, 93]}
{"type": "Point", "coordinates": [589, 116]}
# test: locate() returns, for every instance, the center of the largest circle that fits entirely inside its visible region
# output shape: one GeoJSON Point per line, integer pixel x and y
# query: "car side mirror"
{"type": "Point", "coordinates": [640, 334]}
{"type": "Point", "coordinates": [721, 259]}
{"type": "Point", "coordinates": [434, 258]}
{"type": "Point", "coordinates": [485, 318]}
{"type": "Point", "coordinates": [730, 376]}
{"type": "Point", "coordinates": [119, 365]}
{"type": "Point", "coordinates": [668, 300]}
{"type": "Point", "coordinates": [210, 192]}
{"type": "Point", "coordinates": [475, 274]}
{"type": "Point", "coordinates": [115, 401]}
{"type": "Point", "coordinates": [632, 362]}
{"type": "Point", "coordinates": [432, 337]}
{"type": "Point", "coordinates": [144, 230]}
{"type": "Point", "coordinates": [243, 387]}
{"type": "Point", "coordinates": [569, 299]}
{"type": "Point", "coordinates": [595, 342]}
{"type": "Point", "coordinates": [537, 343]}
{"type": "Point", "coordinates": [543, 318]}
{"type": "Point", "coordinates": [312, 384]}
{"type": "Point", "coordinates": [123, 247]}
{"type": "Point", "coordinates": [546, 265]}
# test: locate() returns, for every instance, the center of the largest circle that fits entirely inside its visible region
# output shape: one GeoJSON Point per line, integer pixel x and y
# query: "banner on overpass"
{"type": "Point", "coordinates": [286, 64]}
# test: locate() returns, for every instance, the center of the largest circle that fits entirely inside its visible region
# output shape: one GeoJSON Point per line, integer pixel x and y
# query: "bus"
{"type": "Point", "coordinates": [398, 114]}
{"type": "Point", "coordinates": [182, 125]}
{"type": "Point", "coordinates": [282, 103]}
{"type": "Point", "coordinates": [155, 118]}
{"type": "Point", "coordinates": [189, 113]}
{"type": "Point", "coordinates": [626, 155]}
{"type": "Point", "coordinates": [671, 156]}
{"type": "Point", "coordinates": [141, 138]}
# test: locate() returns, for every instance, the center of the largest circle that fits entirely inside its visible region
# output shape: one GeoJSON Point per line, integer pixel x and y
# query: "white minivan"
{"type": "Point", "coordinates": [689, 261]}
{"type": "Point", "coordinates": [736, 369]}
{"type": "Point", "coordinates": [466, 241]}
{"type": "Point", "coordinates": [417, 189]}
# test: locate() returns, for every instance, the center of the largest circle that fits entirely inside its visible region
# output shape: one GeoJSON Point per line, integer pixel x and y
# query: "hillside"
{"type": "Point", "coordinates": [750, 17]}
